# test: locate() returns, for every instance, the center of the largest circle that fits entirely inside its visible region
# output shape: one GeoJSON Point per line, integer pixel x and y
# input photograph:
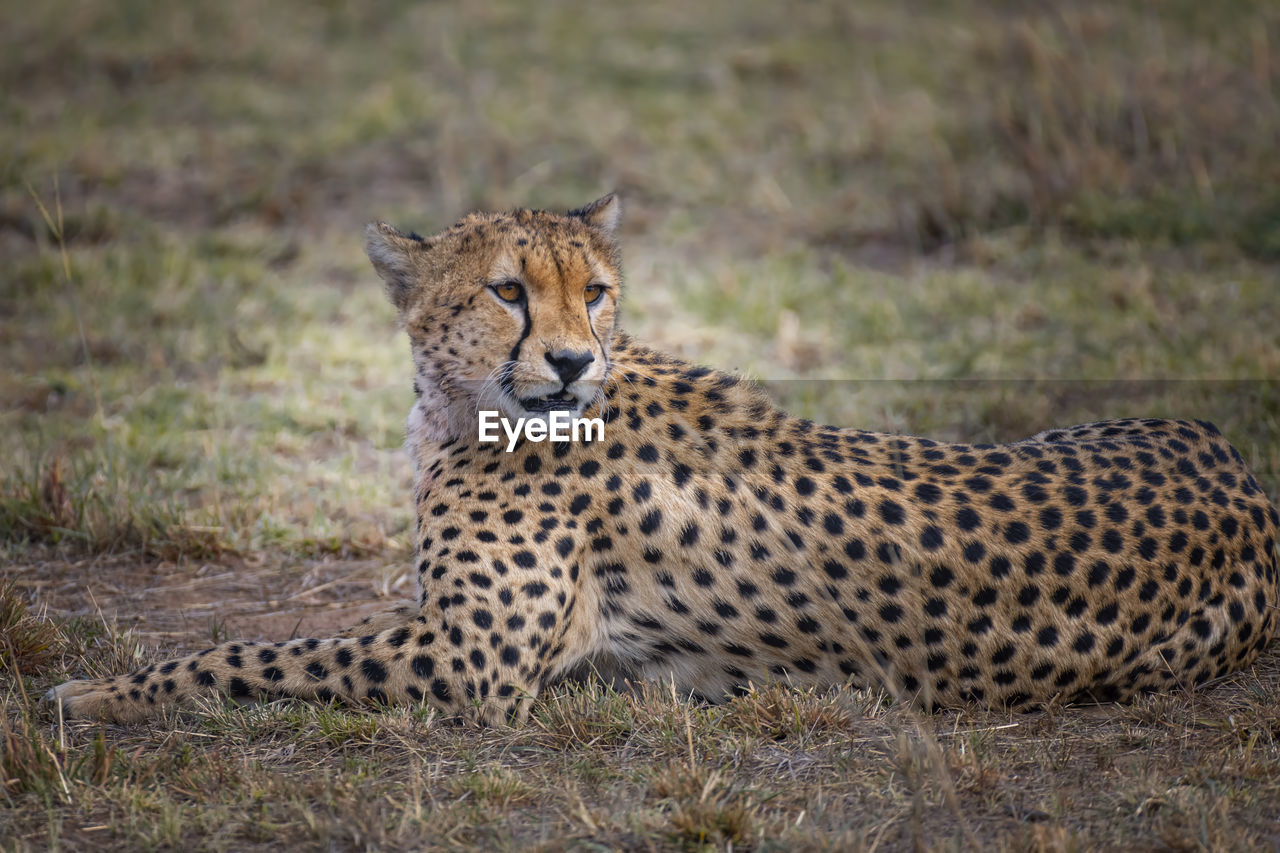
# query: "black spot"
{"type": "Point", "coordinates": [980, 626]}
{"type": "Point", "coordinates": [889, 552]}
{"type": "Point", "coordinates": [651, 522]}
{"type": "Point", "coordinates": [1079, 541]}
{"type": "Point", "coordinates": [978, 484]}
{"type": "Point", "coordinates": [1034, 493]}
{"type": "Point", "coordinates": [928, 493]}
{"type": "Point", "coordinates": [1107, 614]}
{"type": "Point", "coordinates": [891, 512]}
{"type": "Point", "coordinates": [1016, 532]}
{"type": "Point", "coordinates": [834, 570]}
{"type": "Point", "coordinates": [999, 566]}
{"type": "Point", "coordinates": [374, 671]}
{"type": "Point", "coordinates": [891, 613]}
{"type": "Point", "coordinates": [984, 597]}
{"type": "Point", "coordinates": [1003, 654]}
{"type": "Point", "coordinates": [423, 666]}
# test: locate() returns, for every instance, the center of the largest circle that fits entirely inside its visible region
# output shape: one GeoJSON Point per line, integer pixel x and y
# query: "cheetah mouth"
{"type": "Point", "coordinates": [560, 401]}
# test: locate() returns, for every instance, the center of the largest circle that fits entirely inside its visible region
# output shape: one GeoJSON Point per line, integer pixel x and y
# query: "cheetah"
{"type": "Point", "coordinates": [714, 541]}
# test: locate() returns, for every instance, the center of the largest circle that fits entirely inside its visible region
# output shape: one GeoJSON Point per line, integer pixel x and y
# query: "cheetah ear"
{"type": "Point", "coordinates": [602, 214]}
{"type": "Point", "coordinates": [392, 254]}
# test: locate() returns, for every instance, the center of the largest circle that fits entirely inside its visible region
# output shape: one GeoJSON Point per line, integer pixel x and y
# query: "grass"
{"type": "Point", "coordinates": [964, 220]}
{"type": "Point", "coordinates": [778, 769]}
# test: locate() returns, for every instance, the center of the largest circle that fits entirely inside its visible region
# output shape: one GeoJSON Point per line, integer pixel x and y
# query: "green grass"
{"type": "Point", "coordinates": [972, 221]}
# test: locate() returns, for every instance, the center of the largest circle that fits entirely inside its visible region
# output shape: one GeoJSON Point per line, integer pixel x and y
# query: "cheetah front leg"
{"type": "Point", "coordinates": [476, 649]}
{"type": "Point", "coordinates": [404, 664]}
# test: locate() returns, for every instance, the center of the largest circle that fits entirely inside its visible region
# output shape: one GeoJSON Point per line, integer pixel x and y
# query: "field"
{"type": "Point", "coordinates": [971, 221]}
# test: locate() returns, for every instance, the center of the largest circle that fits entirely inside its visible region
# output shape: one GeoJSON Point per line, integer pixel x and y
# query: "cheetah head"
{"type": "Point", "coordinates": [513, 312]}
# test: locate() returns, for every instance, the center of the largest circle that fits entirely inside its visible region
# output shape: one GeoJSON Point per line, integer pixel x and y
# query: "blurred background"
{"type": "Point", "coordinates": [971, 220]}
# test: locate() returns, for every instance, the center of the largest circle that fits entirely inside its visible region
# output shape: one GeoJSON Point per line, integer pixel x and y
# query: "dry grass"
{"type": "Point", "coordinates": [966, 220]}
{"type": "Point", "coordinates": [779, 769]}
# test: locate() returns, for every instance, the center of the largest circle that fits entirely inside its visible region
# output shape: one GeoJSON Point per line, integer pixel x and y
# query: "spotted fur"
{"type": "Point", "coordinates": [714, 540]}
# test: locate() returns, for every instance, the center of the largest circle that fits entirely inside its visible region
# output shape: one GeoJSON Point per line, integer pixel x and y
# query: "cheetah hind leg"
{"type": "Point", "coordinates": [1203, 649]}
{"type": "Point", "coordinates": [381, 621]}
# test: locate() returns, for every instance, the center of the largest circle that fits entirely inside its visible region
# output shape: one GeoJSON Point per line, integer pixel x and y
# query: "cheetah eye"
{"type": "Point", "coordinates": [509, 291]}
{"type": "Point", "coordinates": [593, 292]}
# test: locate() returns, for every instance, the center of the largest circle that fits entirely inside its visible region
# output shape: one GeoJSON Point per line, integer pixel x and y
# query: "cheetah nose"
{"type": "Point", "coordinates": [569, 364]}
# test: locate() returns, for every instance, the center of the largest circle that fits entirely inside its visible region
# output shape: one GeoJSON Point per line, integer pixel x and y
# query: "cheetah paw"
{"type": "Point", "coordinates": [86, 699]}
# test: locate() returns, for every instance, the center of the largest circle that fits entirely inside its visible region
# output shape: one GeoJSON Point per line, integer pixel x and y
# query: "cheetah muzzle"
{"type": "Point", "coordinates": [714, 540]}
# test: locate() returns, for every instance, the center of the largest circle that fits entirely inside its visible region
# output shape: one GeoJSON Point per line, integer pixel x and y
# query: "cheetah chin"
{"type": "Point", "coordinates": [715, 541]}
